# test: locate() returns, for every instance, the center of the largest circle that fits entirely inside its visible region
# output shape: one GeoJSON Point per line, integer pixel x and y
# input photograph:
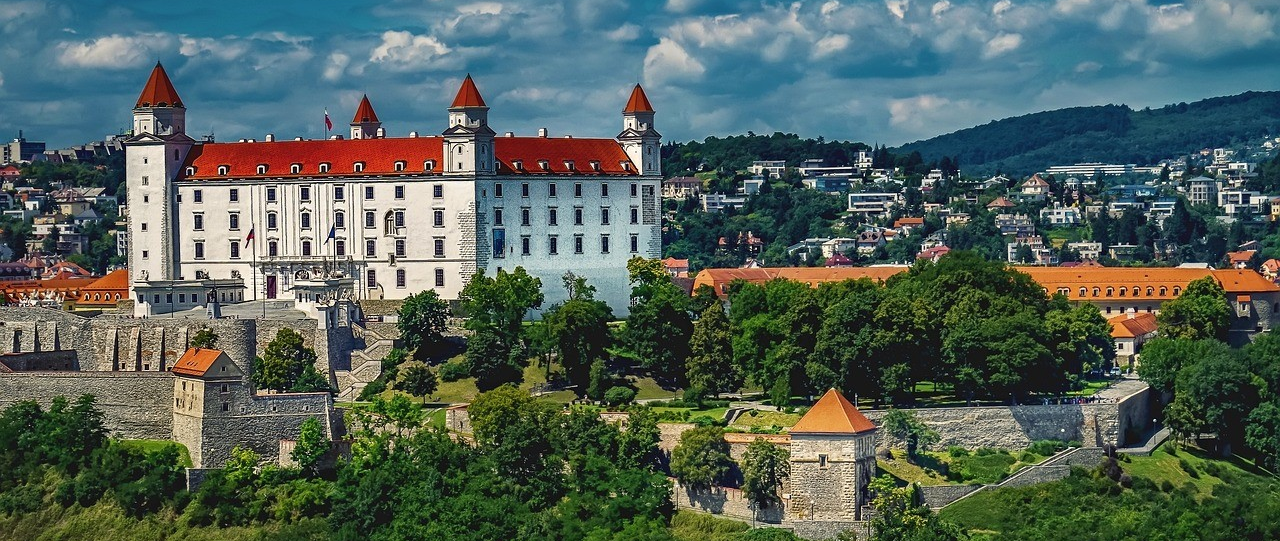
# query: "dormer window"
{"type": "Point", "coordinates": [568, 164]}
{"type": "Point", "coordinates": [517, 165]}
{"type": "Point", "coordinates": [626, 166]}
{"type": "Point", "coordinates": [191, 171]}
{"type": "Point", "coordinates": [544, 165]}
{"type": "Point", "coordinates": [262, 169]}
{"type": "Point", "coordinates": [429, 165]}
{"type": "Point", "coordinates": [399, 166]}
{"type": "Point", "coordinates": [224, 170]}
{"type": "Point", "coordinates": [324, 168]}
{"type": "Point", "coordinates": [295, 168]}
{"type": "Point", "coordinates": [595, 165]}
{"type": "Point", "coordinates": [358, 167]}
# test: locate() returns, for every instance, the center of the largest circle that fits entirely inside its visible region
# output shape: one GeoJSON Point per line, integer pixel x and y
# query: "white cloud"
{"type": "Point", "coordinates": [626, 32]}
{"type": "Point", "coordinates": [405, 51]}
{"type": "Point", "coordinates": [1088, 66]}
{"type": "Point", "coordinates": [829, 45]}
{"type": "Point", "coordinates": [913, 112]}
{"type": "Point", "coordinates": [668, 61]}
{"type": "Point", "coordinates": [221, 48]}
{"type": "Point", "coordinates": [1001, 7]}
{"type": "Point", "coordinates": [940, 8]}
{"type": "Point", "coordinates": [336, 65]}
{"type": "Point", "coordinates": [898, 7]}
{"type": "Point", "coordinates": [1, 79]}
{"type": "Point", "coordinates": [1001, 44]}
{"type": "Point", "coordinates": [114, 51]}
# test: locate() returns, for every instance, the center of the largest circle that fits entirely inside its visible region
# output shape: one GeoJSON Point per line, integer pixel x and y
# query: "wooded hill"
{"type": "Point", "coordinates": [1108, 133]}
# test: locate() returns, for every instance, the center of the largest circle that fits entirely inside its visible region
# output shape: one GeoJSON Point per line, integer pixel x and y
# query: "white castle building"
{"type": "Point", "coordinates": [377, 217]}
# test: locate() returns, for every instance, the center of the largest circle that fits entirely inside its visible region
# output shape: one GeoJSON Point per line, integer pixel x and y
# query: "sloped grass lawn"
{"type": "Point", "coordinates": [151, 446]}
{"type": "Point", "coordinates": [691, 526]}
{"type": "Point", "coordinates": [761, 420]}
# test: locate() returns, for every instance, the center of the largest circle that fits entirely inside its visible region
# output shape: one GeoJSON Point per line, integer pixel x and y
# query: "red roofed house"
{"type": "Point", "coordinates": [832, 461]}
{"type": "Point", "coordinates": [933, 254]}
{"type": "Point", "coordinates": [1130, 331]}
{"type": "Point", "coordinates": [677, 268]}
{"type": "Point", "coordinates": [105, 292]}
{"type": "Point", "coordinates": [1001, 203]}
{"type": "Point", "coordinates": [1240, 260]}
{"type": "Point", "coordinates": [383, 216]}
{"type": "Point", "coordinates": [1270, 269]}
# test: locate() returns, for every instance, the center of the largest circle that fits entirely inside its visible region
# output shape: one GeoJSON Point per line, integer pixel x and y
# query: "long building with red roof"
{"type": "Point", "coordinates": [385, 217]}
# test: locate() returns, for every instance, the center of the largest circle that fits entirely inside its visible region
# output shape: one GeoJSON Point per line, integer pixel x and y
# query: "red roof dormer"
{"type": "Point", "coordinates": [159, 91]}
{"type": "Point", "coordinates": [364, 113]}
{"type": "Point", "coordinates": [468, 95]}
{"type": "Point", "coordinates": [639, 103]}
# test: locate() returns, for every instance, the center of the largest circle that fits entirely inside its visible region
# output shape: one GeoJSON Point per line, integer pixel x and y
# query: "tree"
{"type": "Point", "coordinates": [311, 446]}
{"type": "Point", "coordinates": [1024, 254]}
{"type": "Point", "coordinates": [422, 320]}
{"type": "Point", "coordinates": [1262, 433]}
{"type": "Point", "coordinates": [764, 468]}
{"type": "Point", "coordinates": [1163, 358]}
{"type": "Point", "coordinates": [1212, 395]}
{"type": "Point", "coordinates": [710, 366]}
{"type": "Point", "coordinates": [496, 308]}
{"type": "Point", "coordinates": [284, 361]}
{"type": "Point", "coordinates": [417, 379]}
{"type": "Point", "coordinates": [701, 459]}
{"type": "Point", "coordinates": [579, 329]}
{"type": "Point", "coordinates": [1201, 311]}
{"type": "Point", "coordinates": [658, 330]}
{"type": "Point", "coordinates": [204, 338]}
{"type": "Point", "coordinates": [492, 361]}
{"type": "Point", "coordinates": [899, 518]}
{"type": "Point", "coordinates": [904, 425]}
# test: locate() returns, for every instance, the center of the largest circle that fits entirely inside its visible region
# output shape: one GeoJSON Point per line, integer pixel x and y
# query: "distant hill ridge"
{"type": "Point", "coordinates": [1106, 133]}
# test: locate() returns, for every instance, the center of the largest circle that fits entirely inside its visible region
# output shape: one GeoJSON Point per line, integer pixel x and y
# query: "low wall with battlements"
{"type": "Point", "coordinates": [134, 405]}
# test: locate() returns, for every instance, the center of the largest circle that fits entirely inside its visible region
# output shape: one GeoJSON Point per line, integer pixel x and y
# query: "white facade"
{"type": "Point", "coordinates": [266, 215]}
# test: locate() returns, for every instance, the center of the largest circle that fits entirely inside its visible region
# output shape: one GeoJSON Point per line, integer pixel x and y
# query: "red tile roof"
{"type": "Point", "coordinates": [1001, 202]}
{"type": "Point", "coordinates": [364, 113]}
{"type": "Point", "coordinates": [159, 91]}
{"type": "Point", "coordinates": [379, 157]}
{"type": "Point", "coordinates": [196, 361]}
{"type": "Point", "coordinates": [116, 279]}
{"type": "Point", "coordinates": [833, 414]}
{"type": "Point", "coordinates": [468, 95]}
{"type": "Point", "coordinates": [639, 103]}
{"type": "Point", "coordinates": [1240, 257]}
{"type": "Point", "coordinates": [1132, 325]}
{"type": "Point", "coordinates": [910, 222]}
{"type": "Point", "coordinates": [1237, 281]}
{"type": "Point", "coordinates": [672, 262]}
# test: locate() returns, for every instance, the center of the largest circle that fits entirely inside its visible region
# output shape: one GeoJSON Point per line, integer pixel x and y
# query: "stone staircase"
{"type": "Point", "coordinates": [366, 363]}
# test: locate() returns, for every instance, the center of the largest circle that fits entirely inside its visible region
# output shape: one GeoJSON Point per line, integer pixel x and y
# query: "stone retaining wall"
{"type": "Point", "coordinates": [134, 405]}
{"type": "Point", "coordinates": [729, 502]}
{"type": "Point", "coordinates": [937, 497]}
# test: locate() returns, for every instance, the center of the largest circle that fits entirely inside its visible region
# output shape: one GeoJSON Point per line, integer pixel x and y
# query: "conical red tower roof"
{"type": "Point", "coordinates": [833, 414]}
{"type": "Point", "coordinates": [364, 113]}
{"type": "Point", "coordinates": [159, 91]}
{"type": "Point", "coordinates": [468, 95]}
{"type": "Point", "coordinates": [639, 103]}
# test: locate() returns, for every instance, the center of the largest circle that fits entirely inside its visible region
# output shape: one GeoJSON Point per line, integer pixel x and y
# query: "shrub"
{"type": "Point", "coordinates": [373, 389]}
{"type": "Point", "coordinates": [453, 371]}
{"type": "Point", "coordinates": [1213, 469]}
{"type": "Point", "coordinates": [955, 451]}
{"type": "Point", "coordinates": [1047, 447]}
{"type": "Point", "coordinates": [1126, 480]}
{"type": "Point", "coordinates": [1166, 486]}
{"type": "Point", "coordinates": [706, 420]}
{"type": "Point", "coordinates": [986, 467]}
{"type": "Point", "coordinates": [1028, 457]}
{"type": "Point", "coordinates": [619, 395]}
{"type": "Point", "coordinates": [1187, 467]}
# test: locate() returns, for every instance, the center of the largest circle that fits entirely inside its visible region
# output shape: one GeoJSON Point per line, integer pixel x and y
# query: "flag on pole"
{"type": "Point", "coordinates": [328, 124]}
{"type": "Point", "coordinates": [333, 233]}
{"type": "Point", "coordinates": [249, 238]}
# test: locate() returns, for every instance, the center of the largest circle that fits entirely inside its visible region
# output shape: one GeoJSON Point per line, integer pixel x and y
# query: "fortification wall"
{"type": "Point", "coordinates": [134, 406]}
{"type": "Point", "coordinates": [264, 421]}
{"type": "Point", "coordinates": [938, 496]}
{"type": "Point", "coordinates": [729, 502]}
{"type": "Point", "coordinates": [829, 529]}
{"type": "Point", "coordinates": [41, 361]}
{"type": "Point", "coordinates": [1016, 427]}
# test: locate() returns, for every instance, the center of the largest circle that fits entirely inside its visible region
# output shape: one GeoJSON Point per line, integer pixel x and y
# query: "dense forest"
{"type": "Point", "coordinates": [1108, 133]}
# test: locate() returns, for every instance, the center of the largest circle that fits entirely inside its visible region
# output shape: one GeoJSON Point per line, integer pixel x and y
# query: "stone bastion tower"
{"type": "Point", "coordinates": [832, 461]}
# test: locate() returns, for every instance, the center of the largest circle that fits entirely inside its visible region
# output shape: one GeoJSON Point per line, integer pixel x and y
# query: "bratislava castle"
{"type": "Point", "coordinates": [378, 217]}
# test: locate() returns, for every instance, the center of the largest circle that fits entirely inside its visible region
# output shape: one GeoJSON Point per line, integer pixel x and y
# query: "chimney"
{"type": "Point", "coordinates": [335, 137]}
{"type": "Point", "coordinates": [382, 133]}
{"type": "Point", "coordinates": [298, 138]}
{"type": "Point", "coordinates": [509, 134]}
{"type": "Point", "coordinates": [542, 132]}
{"type": "Point", "coordinates": [568, 137]}
{"type": "Point", "coordinates": [270, 138]}
{"type": "Point", "coordinates": [413, 134]}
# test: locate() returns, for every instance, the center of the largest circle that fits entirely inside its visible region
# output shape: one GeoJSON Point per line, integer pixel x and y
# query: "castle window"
{"type": "Point", "coordinates": [437, 190]}
{"type": "Point", "coordinates": [635, 215]}
{"type": "Point", "coordinates": [524, 245]}
{"type": "Point", "coordinates": [635, 243]}
{"type": "Point", "coordinates": [604, 190]}
{"type": "Point", "coordinates": [324, 168]}
{"type": "Point", "coordinates": [524, 216]}
{"type": "Point", "coordinates": [1177, 291]}
{"type": "Point", "coordinates": [604, 215]}
{"type": "Point", "coordinates": [223, 170]}
{"type": "Point", "coordinates": [272, 220]}
{"type": "Point", "coordinates": [233, 221]}
{"type": "Point", "coordinates": [497, 216]}
{"type": "Point", "coordinates": [497, 190]}
{"type": "Point", "coordinates": [370, 247]}
{"type": "Point", "coordinates": [273, 249]}
{"type": "Point", "coordinates": [271, 194]}
{"type": "Point", "coordinates": [191, 171]}
{"type": "Point", "coordinates": [551, 216]}
{"type": "Point", "coordinates": [235, 249]}
{"type": "Point", "coordinates": [577, 244]}
{"type": "Point", "coordinates": [517, 165]}
{"type": "Point", "coordinates": [577, 216]}
{"type": "Point", "coordinates": [233, 195]}
{"type": "Point", "coordinates": [304, 220]}
{"type": "Point", "coordinates": [633, 189]}
{"type": "Point", "coordinates": [199, 250]}
{"type": "Point", "coordinates": [822, 461]}
{"type": "Point", "coordinates": [225, 388]}
{"type": "Point", "coordinates": [339, 220]}
{"type": "Point", "coordinates": [429, 165]}
{"type": "Point", "coordinates": [595, 165]}
{"type": "Point", "coordinates": [295, 168]}
{"type": "Point", "coordinates": [553, 245]}
{"type": "Point", "coordinates": [399, 166]}
{"type": "Point", "coordinates": [1149, 291]}
{"type": "Point", "coordinates": [369, 219]}
{"type": "Point", "coordinates": [226, 406]}
{"type": "Point", "coordinates": [626, 166]}
{"type": "Point", "coordinates": [399, 191]}
{"type": "Point", "coordinates": [400, 248]}
{"type": "Point", "coordinates": [371, 279]}
{"type": "Point", "coordinates": [577, 189]}
{"type": "Point", "coordinates": [568, 164]}
{"type": "Point", "coordinates": [306, 247]}
{"type": "Point", "coordinates": [399, 218]}
{"type": "Point", "coordinates": [144, 254]}
{"type": "Point", "coordinates": [1163, 291]}
{"type": "Point", "coordinates": [604, 244]}
{"type": "Point", "coordinates": [358, 167]}
{"type": "Point", "coordinates": [339, 193]}
{"type": "Point", "coordinates": [1095, 292]}
{"type": "Point", "coordinates": [438, 247]}
{"type": "Point", "coordinates": [1110, 291]}
{"type": "Point", "coordinates": [368, 192]}
{"type": "Point", "coordinates": [400, 278]}
{"type": "Point", "coordinates": [524, 189]}
{"type": "Point", "coordinates": [304, 193]}
{"type": "Point", "coordinates": [144, 180]}
{"type": "Point", "coordinates": [1122, 291]}
{"type": "Point", "coordinates": [437, 218]}
{"type": "Point", "coordinates": [544, 165]}
{"type": "Point", "coordinates": [339, 247]}
{"type": "Point", "coordinates": [551, 189]}
{"type": "Point", "coordinates": [439, 277]}
{"type": "Point", "coordinates": [197, 196]}
{"type": "Point", "coordinates": [262, 169]}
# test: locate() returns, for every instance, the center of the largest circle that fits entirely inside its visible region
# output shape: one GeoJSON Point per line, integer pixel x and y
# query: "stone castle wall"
{"type": "Point", "coordinates": [729, 502]}
{"type": "Point", "coordinates": [134, 405]}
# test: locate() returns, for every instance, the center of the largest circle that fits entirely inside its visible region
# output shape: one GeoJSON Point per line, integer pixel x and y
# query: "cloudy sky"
{"type": "Point", "coordinates": [887, 71]}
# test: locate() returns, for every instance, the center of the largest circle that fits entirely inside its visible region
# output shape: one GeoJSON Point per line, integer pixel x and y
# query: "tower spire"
{"type": "Point", "coordinates": [365, 124]}
{"type": "Point", "coordinates": [159, 91]}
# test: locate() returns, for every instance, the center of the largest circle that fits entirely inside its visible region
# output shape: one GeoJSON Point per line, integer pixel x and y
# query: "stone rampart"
{"type": "Point", "coordinates": [938, 496]}
{"type": "Point", "coordinates": [729, 502]}
{"type": "Point", "coordinates": [829, 529]}
{"type": "Point", "coordinates": [62, 360]}
{"type": "Point", "coordinates": [134, 405]}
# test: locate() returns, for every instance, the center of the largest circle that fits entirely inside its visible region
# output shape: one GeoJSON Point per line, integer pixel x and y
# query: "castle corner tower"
{"type": "Point", "coordinates": [365, 124]}
{"type": "Point", "coordinates": [468, 141]}
{"type": "Point", "coordinates": [638, 138]}
{"type": "Point", "coordinates": [832, 462]}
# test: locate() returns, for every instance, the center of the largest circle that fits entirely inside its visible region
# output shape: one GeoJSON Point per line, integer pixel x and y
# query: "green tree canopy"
{"type": "Point", "coordinates": [421, 320]}
{"type": "Point", "coordinates": [701, 459]}
{"type": "Point", "coordinates": [765, 467]}
{"type": "Point", "coordinates": [284, 363]}
{"type": "Point", "coordinates": [1201, 311]}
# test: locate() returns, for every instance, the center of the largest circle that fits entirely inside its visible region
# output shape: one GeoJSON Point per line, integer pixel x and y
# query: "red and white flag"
{"type": "Point", "coordinates": [249, 238]}
{"type": "Point", "coordinates": [328, 124]}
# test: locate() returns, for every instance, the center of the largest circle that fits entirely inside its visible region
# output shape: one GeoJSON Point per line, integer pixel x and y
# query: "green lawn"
{"type": "Point", "coordinates": [928, 467]}
{"type": "Point", "coordinates": [766, 419]}
{"type": "Point", "coordinates": [1165, 464]}
{"type": "Point", "coordinates": [150, 446]}
{"type": "Point", "coordinates": [691, 526]}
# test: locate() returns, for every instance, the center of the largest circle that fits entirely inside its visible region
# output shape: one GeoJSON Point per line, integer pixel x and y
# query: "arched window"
{"type": "Point", "coordinates": [1137, 291]}
{"type": "Point", "coordinates": [1164, 291]}
{"type": "Point", "coordinates": [262, 169]}
{"type": "Point", "coordinates": [1122, 291]}
{"type": "Point", "coordinates": [1111, 291]}
{"type": "Point", "coordinates": [429, 165]}
{"type": "Point", "coordinates": [191, 171]}
{"type": "Point", "coordinates": [358, 167]}
{"type": "Point", "coordinates": [1084, 292]}
{"type": "Point", "coordinates": [1095, 292]}
{"type": "Point", "coordinates": [273, 220]}
{"type": "Point", "coordinates": [117, 296]}
{"type": "Point", "coordinates": [1177, 291]}
{"type": "Point", "coordinates": [223, 169]}
{"type": "Point", "coordinates": [399, 166]}
{"type": "Point", "coordinates": [324, 168]}
{"type": "Point", "coordinates": [1149, 290]}
{"type": "Point", "coordinates": [295, 168]}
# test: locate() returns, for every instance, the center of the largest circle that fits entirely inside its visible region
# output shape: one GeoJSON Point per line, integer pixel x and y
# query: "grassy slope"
{"type": "Point", "coordinates": [105, 521]}
{"type": "Point", "coordinates": [150, 446]}
{"type": "Point", "coordinates": [982, 510]}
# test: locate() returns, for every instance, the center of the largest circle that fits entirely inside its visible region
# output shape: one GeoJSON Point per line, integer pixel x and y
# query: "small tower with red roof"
{"type": "Point", "coordinates": [365, 124]}
{"type": "Point", "coordinates": [468, 141]}
{"type": "Point", "coordinates": [833, 457]}
{"type": "Point", "coordinates": [159, 110]}
{"type": "Point", "coordinates": [638, 138]}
